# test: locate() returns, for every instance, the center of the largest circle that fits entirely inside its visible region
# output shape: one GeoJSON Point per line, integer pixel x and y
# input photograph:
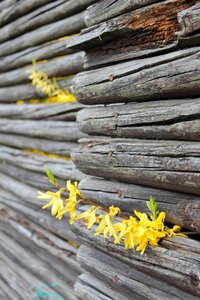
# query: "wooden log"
{"type": "Point", "coordinates": [189, 41]}
{"type": "Point", "coordinates": [163, 77]}
{"type": "Point", "coordinates": [132, 280]}
{"type": "Point", "coordinates": [176, 266]}
{"type": "Point", "coordinates": [43, 15]}
{"type": "Point", "coordinates": [166, 120]}
{"type": "Point", "coordinates": [68, 65]}
{"type": "Point", "coordinates": [47, 146]}
{"type": "Point", "coordinates": [56, 111]}
{"type": "Point", "coordinates": [107, 9]}
{"type": "Point", "coordinates": [158, 30]}
{"type": "Point", "coordinates": [27, 91]}
{"type": "Point", "coordinates": [181, 209]}
{"type": "Point", "coordinates": [19, 8]}
{"type": "Point", "coordinates": [170, 165]}
{"type": "Point", "coordinates": [61, 168]}
{"type": "Point", "coordinates": [44, 34]}
{"type": "Point", "coordinates": [88, 287]}
{"type": "Point", "coordinates": [49, 129]}
{"type": "Point", "coordinates": [6, 3]}
{"type": "Point", "coordinates": [189, 20]}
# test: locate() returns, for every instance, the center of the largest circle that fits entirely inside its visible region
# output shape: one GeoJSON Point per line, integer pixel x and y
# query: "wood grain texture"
{"type": "Point", "coordinates": [56, 111]}
{"type": "Point", "coordinates": [58, 67]}
{"type": "Point", "coordinates": [181, 209]}
{"type": "Point", "coordinates": [166, 120]}
{"type": "Point", "coordinates": [171, 165]}
{"type": "Point", "coordinates": [189, 20]}
{"type": "Point", "coordinates": [61, 168]}
{"type": "Point", "coordinates": [166, 76]}
{"type": "Point", "coordinates": [48, 129]}
{"type": "Point", "coordinates": [44, 34]}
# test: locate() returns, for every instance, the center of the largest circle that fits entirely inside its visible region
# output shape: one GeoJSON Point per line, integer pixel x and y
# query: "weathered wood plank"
{"type": "Point", "coordinates": [45, 145]}
{"type": "Point", "coordinates": [11, 94]}
{"type": "Point", "coordinates": [56, 111]}
{"type": "Point", "coordinates": [181, 209]}
{"type": "Point", "coordinates": [44, 34]}
{"type": "Point", "coordinates": [43, 15]}
{"type": "Point", "coordinates": [170, 165]}
{"type": "Point", "coordinates": [68, 65]}
{"type": "Point", "coordinates": [189, 20]}
{"type": "Point", "coordinates": [48, 129]}
{"type": "Point", "coordinates": [158, 29]}
{"type": "Point", "coordinates": [166, 120]}
{"type": "Point", "coordinates": [176, 268]}
{"type": "Point", "coordinates": [132, 280]}
{"type": "Point", "coordinates": [107, 9]}
{"type": "Point", "coordinates": [163, 77]}
{"type": "Point", "coordinates": [61, 168]}
{"type": "Point", "coordinates": [189, 41]}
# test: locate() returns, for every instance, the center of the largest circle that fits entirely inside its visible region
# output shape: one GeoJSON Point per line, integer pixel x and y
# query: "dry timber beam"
{"type": "Point", "coordinates": [181, 209]}
{"type": "Point", "coordinates": [176, 265]}
{"type": "Point", "coordinates": [27, 91]}
{"type": "Point", "coordinates": [61, 168]}
{"type": "Point", "coordinates": [189, 20]}
{"type": "Point", "coordinates": [45, 145]}
{"type": "Point", "coordinates": [48, 129]}
{"type": "Point", "coordinates": [166, 120]}
{"type": "Point", "coordinates": [44, 34]}
{"type": "Point", "coordinates": [171, 165]}
{"type": "Point", "coordinates": [68, 65]}
{"type": "Point", "coordinates": [56, 111]}
{"type": "Point", "coordinates": [134, 31]}
{"type": "Point", "coordinates": [43, 15]}
{"type": "Point", "coordinates": [162, 77]}
{"type": "Point", "coordinates": [107, 9]}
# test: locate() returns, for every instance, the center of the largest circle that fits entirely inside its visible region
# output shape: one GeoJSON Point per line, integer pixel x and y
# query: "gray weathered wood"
{"type": "Point", "coordinates": [27, 91]}
{"type": "Point", "coordinates": [44, 34]}
{"type": "Point", "coordinates": [181, 209]}
{"type": "Point", "coordinates": [189, 41]}
{"type": "Point", "coordinates": [61, 168]}
{"type": "Point", "coordinates": [49, 129]}
{"type": "Point", "coordinates": [43, 15]}
{"type": "Point", "coordinates": [171, 165]}
{"type": "Point", "coordinates": [45, 145]}
{"type": "Point", "coordinates": [166, 120]}
{"type": "Point", "coordinates": [57, 111]}
{"type": "Point", "coordinates": [107, 9]}
{"type": "Point", "coordinates": [189, 20]}
{"type": "Point", "coordinates": [68, 65]}
{"type": "Point", "coordinates": [163, 77]}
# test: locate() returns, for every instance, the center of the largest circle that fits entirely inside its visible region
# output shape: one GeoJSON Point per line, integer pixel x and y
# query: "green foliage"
{"type": "Point", "coordinates": [51, 176]}
{"type": "Point", "coordinates": [153, 207]}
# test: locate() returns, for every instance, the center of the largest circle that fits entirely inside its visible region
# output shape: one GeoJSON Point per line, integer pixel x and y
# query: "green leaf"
{"type": "Point", "coordinates": [153, 207]}
{"type": "Point", "coordinates": [51, 176]}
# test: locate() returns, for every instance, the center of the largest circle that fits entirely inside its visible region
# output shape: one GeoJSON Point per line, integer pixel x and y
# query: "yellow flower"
{"type": "Point", "coordinates": [72, 188]}
{"type": "Point", "coordinates": [55, 201]}
{"type": "Point", "coordinates": [89, 216]}
{"type": "Point", "coordinates": [113, 211]}
{"type": "Point", "coordinates": [175, 231]}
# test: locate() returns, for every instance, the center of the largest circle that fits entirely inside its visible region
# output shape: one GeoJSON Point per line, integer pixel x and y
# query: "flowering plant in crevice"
{"type": "Point", "coordinates": [136, 232]}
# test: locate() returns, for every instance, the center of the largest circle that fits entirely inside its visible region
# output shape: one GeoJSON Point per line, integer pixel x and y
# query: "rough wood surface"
{"type": "Point", "coordinates": [51, 12]}
{"type": "Point", "coordinates": [189, 20]}
{"type": "Point", "coordinates": [107, 9]}
{"type": "Point", "coordinates": [181, 209]}
{"type": "Point", "coordinates": [129, 279]}
{"type": "Point", "coordinates": [45, 145]}
{"type": "Point", "coordinates": [44, 34]}
{"type": "Point", "coordinates": [48, 129]}
{"type": "Point", "coordinates": [163, 77]}
{"type": "Point", "coordinates": [171, 165]}
{"type": "Point", "coordinates": [177, 265]}
{"type": "Point", "coordinates": [166, 120]}
{"type": "Point", "coordinates": [68, 65]}
{"type": "Point", "coordinates": [57, 111]}
{"type": "Point", "coordinates": [158, 29]}
{"type": "Point", "coordinates": [61, 168]}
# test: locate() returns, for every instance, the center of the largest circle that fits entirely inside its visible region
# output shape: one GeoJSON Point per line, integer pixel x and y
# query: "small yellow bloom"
{"type": "Point", "coordinates": [89, 216]}
{"type": "Point", "coordinates": [113, 211]}
{"type": "Point", "coordinates": [55, 201]}
{"type": "Point", "coordinates": [175, 231]}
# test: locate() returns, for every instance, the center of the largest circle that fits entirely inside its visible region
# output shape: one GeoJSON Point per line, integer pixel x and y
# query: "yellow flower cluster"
{"type": "Point", "coordinates": [41, 81]}
{"type": "Point", "coordinates": [136, 232]}
{"type": "Point", "coordinates": [50, 155]}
